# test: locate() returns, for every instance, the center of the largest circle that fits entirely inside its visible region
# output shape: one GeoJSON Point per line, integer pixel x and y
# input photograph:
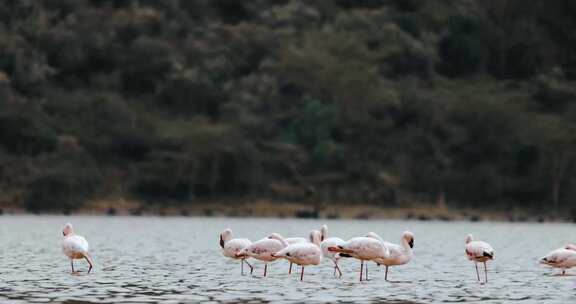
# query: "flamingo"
{"type": "Point", "coordinates": [303, 254]}
{"type": "Point", "coordinates": [297, 240]}
{"type": "Point", "coordinates": [294, 240]}
{"type": "Point", "coordinates": [331, 242]}
{"type": "Point", "coordinates": [563, 258]}
{"type": "Point", "coordinates": [399, 254]}
{"type": "Point", "coordinates": [263, 249]}
{"type": "Point", "coordinates": [75, 247]}
{"type": "Point", "coordinates": [478, 251]}
{"type": "Point", "coordinates": [363, 249]}
{"type": "Point", "coordinates": [231, 247]}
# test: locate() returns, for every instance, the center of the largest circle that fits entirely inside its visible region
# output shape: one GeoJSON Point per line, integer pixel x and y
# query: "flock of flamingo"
{"type": "Point", "coordinates": [305, 252]}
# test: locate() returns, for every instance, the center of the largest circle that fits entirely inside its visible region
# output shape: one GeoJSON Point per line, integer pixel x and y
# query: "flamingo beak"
{"type": "Point", "coordinates": [339, 249]}
{"type": "Point", "coordinates": [221, 242]}
{"type": "Point", "coordinates": [411, 243]}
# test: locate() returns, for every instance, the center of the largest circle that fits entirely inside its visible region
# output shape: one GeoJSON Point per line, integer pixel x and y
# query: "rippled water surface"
{"type": "Point", "coordinates": [177, 260]}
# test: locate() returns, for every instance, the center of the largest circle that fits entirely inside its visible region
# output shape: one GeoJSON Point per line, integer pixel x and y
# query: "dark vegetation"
{"type": "Point", "coordinates": [468, 103]}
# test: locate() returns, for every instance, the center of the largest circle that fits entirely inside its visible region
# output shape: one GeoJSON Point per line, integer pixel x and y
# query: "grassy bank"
{"type": "Point", "coordinates": [267, 208]}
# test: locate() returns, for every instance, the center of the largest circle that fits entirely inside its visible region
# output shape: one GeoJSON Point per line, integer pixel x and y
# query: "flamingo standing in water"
{"type": "Point", "coordinates": [303, 254]}
{"type": "Point", "coordinates": [331, 255]}
{"type": "Point", "coordinates": [264, 249]}
{"type": "Point", "coordinates": [478, 251]}
{"type": "Point", "coordinates": [232, 247]}
{"type": "Point", "coordinates": [75, 247]}
{"type": "Point", "coordinates": [297, 240]}
{"type": "Point", "coordinates": [563, 258]}
{"type": "Point", "coordinates": [291, 241]}
{"type": "Point", "coordinates": [363, 249]}
{"type": "Point", "coordinates": [399, 254]}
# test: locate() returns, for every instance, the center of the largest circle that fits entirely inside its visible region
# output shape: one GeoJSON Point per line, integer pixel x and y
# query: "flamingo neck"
{"type": "Point", "coordinates": [406, 246]}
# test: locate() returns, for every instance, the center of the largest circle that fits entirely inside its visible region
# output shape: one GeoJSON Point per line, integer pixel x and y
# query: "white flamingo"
{"type": "Point", "coordinates": [563, 258]}
{"type": "Point", "coordinates": [263, 249]}
{"type": "Point", "coordinates": [331, 255]}
{"type": "Point", "coordinates": [399, 254]}
{"type": "Point", "coordinates": [75, 247]}
{"type": "Point", "coordinates": [296, 240]}
{"type": "Point", "coordinates": [232, 247]}
{"type": "Point", "coordinates": [363, 249]}
{"type": "Point", "coordinates": [303, 254]}
{"type": "Point", "coordinates": [478, 251]}
{"type": "Point", "coordinates": [291, 241]}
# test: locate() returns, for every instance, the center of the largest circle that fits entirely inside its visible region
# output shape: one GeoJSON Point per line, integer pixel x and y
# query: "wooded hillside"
{"type": "Point", "coordinates": [382, 102]}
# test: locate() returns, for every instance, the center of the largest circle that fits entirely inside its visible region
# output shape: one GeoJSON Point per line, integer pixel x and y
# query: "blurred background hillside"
{"type": "Point", "coordinates": [392, 103]}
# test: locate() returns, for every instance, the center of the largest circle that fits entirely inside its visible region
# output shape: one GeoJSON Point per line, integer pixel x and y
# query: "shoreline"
{"type": "Point", "coordinates": [272, 209]}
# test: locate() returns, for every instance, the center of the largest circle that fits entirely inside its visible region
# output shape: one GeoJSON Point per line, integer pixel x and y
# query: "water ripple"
{"type": "Point", "coordinates": [177, 260]}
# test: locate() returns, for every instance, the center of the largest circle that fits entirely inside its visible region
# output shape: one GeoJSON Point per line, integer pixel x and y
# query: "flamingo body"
{"type": "Point", "coordinates": [363, 249]}
{"type": "Point", "coordinates": [75, 247]}
{"type": "Point", "coordinates": [560, 258]}
{"type": "Point", "coordinates": [399, 254]}
{"type": "Point", "coordinates": [303, 254]}
{"type": "Point", "coordinates": [479, 251]}
{"type": "Point", "coordinates": [231, 248]}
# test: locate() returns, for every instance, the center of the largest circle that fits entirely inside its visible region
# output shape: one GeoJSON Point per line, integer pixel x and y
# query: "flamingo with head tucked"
{"type": "Point", "coordinates": [303, 254]}
{"type": "Point", "coordinates": [296, 240]}
{"type": "Point", "coordinates": [479, 251]}
{"type": "Point", "coordinates": [399, 254]}
{"type": "Point", "coordinates": [75, 247]}
{"type": "Point", "coordinates": [363, 249]}
{"type": "Point", "coordinates": [232, 247]}
{"type": "Point", "coordinates": [264, 249]}
{"type": "Point", "coordinates": [563, 258]}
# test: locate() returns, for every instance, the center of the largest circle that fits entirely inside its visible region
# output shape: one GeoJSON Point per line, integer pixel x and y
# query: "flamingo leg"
{"type": "Point", "coordinates": [361, 269]}
{"type": "Point", "coordinates": [251, 267]}
{"type": "Point", "coordinates": [242, 267]}
{"type": "Point", "coordinates": [485, 272]}
{"type": "Point", "coordinates": [90, 263]}
{"type": "Point", "coordinates": [265, 269]}
{"type": "Point", "coordinates": [302, 274]}
{"type": "Point", "coordinates": [366, 272]}
{"type": "Point", "coordinates": [334, 274]}
{"type": "Point", "coordinates": [337, 268]}
{"type": "Point", "coordinates": [72, 264]}
{"type": "Point", "coordinates": [563, 271]}
{"type": "Point", "coordinates": [477, 274]}
{"type": "Point", "coordinates": [386, 275]}
{"type": "Point", "coordinates": [290, 269]}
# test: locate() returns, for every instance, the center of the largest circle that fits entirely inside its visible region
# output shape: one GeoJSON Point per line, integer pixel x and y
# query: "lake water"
{"type": "Point", "coordinates": [178, 260]}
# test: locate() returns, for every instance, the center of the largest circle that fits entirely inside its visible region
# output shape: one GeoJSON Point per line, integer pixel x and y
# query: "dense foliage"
{"type": "Point", "coordinates": [386, 102]}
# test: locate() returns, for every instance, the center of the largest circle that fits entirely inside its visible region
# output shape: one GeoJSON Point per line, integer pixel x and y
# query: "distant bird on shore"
{"type": "Point", "coordinates": [303, 254]}
{"type": "Point", "coordinates": [363, 249]}
{"type": "Point", "coordinates": [478, 251]}
{"type": "Point", "coordinates": [232, 247]}
{"type": "Point", "coordinates": [75, 247]}
{"type": "Point", "coordinates": [263, 249]}
{"type": "Point", "coordinates": [399, 254]}
{"type": "Point", "coordinates": [331, 255]}
{"type": "Point", "coordinates": [563, 258]}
